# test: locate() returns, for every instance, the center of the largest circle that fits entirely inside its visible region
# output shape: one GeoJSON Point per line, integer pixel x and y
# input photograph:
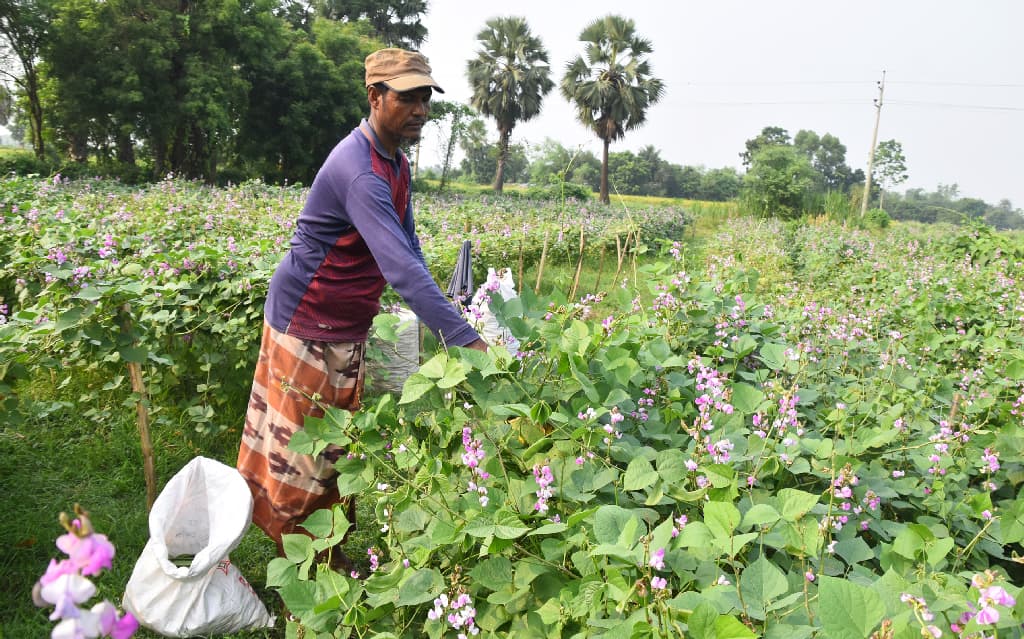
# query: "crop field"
{"type": "Point", "coordinates": [708, 425]}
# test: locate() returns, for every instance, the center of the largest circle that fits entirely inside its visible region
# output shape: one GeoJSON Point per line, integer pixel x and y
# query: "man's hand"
{"type": "Point", "coordinates": [478, 345]}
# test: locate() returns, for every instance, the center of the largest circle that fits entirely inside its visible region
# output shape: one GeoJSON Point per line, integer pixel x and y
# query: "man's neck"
{"type": "Point", "coordinates": [388, 146]}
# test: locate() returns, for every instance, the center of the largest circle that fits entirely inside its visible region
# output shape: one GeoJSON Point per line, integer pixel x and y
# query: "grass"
{"type": "Point", "coordinates": [53, 462]}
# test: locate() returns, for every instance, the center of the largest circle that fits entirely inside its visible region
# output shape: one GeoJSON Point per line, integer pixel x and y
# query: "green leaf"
{"type": "Point", "coordinates": [609, 521]}
{"type": "Point", "coordinates": [281, 572]}
{"type": "Point", "coordinates": [421, 586]}
{"type": "Point", "coordinates": [548, 529]}
{"type": "Point", "coordinates": [415, 387]}
{"type": "Point", "coordinates": [760, 515]}
{"type": "Point", "coordinates": [702, 621]}
{"type": "Point", "coordinates": [721, 518]}
{"type": "Point", "coordinates": [763, 581]}
{"type": "Point", "coordinates": [320, 523]}
{"type": "Point", "coordinates": [774, 356]}
{"type": "Point", "coordinates": [493, 573]}
{"type": "Point", "coordinates": [1015, 369]}
{"type": "Point", "coordinates": [848, 610]}
{"type": "Point", "coordinates": [729, 627]}
{"type": "Point", "coordinates": [854, 550]}
{"type": "Point", "coordinates": [639, 474]}
{"type": "Point", "coordinates": [746, 398]}
{"type": "Point", "coordinates": [454, 374]}
{"type": "Point", "coordinates": [794, 503]}
{"type": "Point", "coordinates": [435, 367]}
{"type": "Point", "coordinates": [134, 354]}
{"type": "Point", "coordinates": [507, 525]}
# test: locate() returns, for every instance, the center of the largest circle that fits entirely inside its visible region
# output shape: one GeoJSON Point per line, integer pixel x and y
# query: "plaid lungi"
{"type": "Point", "coordinates": [287, 486]}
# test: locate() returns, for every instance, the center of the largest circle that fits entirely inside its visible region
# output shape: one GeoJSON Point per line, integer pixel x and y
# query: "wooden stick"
{"type": "Point", "coordinates": [543, 257]}
{"type": "Point", "coordinates": [519, 282]}
{"type": "Point", "coordinates": [142, 417]}
{"type": "Point", "coordinates": [600, 268]}
{"type": "Point", "coordinates": [579, 267]}
{"type": "Point", "coordinates": [620, 250]}
{"type": "Point", "coordinates": [135, 372]}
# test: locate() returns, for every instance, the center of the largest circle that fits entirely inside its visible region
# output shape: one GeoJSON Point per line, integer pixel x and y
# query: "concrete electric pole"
{"type": "Point", "coordinates": [871, 151]}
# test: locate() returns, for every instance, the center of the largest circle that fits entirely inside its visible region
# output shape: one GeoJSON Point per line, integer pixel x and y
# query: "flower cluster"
{"type": "Point", "coordinates": [64, 585]}
{"type": "Point", "coordinates": [989, 596]}
{"type": "Point", "coordinates": [459, 613]}
{"type": "Point", "coordinates": [923, 615]}
{"type": "Point", "coordinates": [473, 455]}
{"type": "Point", "coordinates": [544, 478]}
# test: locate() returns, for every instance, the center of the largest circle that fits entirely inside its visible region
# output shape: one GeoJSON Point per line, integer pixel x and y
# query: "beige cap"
{"type": "Point", "coordinates": [401, 70]}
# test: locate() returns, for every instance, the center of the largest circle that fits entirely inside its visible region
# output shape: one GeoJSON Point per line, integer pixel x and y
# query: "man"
{"type": "Point", "coordinates": [354, 234]}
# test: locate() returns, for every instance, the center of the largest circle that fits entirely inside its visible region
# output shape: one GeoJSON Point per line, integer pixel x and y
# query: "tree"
{"type": "Point", "coordinates": [719, 185]}
{"type": "Point", "coordinates": [552, 161]}
{"type": "Point", "coordinates": [510, 77]}
{"type": "Point", "coordinates": [397, 23]}
{"type": "Point", "coordinates": [778, 180]}
{"type": "Point", "coordinates": [890, 166]}
{"type": "Point", "coordinates": [611, 84]}
{"type": "Point", "coordinates": [827, 156]}
{"type": "Point", "coordinates": [769, 136]}
{"type": "Point", "coordinates": [306, 90]}
{"type": "Point", "coordinates": [480, 160]}
{"type": "Point", "coordinates": [457, 116]}
{"type": "Point", "coordinates": [23, 26]}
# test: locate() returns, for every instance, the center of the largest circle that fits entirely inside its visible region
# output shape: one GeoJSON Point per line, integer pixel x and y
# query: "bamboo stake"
{"type": "Point", "coordinates": [543, 257]}
{"type": "Point", "coordinates": [619, 249]}
{"type": "Point", "coordinates": [579, 267]}
{"type": "Point", "coordinates": [519, 281]}
{"type": "Point", "coordinates": [142, 418]}
{"type": "Point", "coordinates": [600, 268]}
{"type": "Point", "coordinates": [135, 372]}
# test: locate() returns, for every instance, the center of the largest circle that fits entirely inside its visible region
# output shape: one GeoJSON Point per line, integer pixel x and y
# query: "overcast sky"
{"type": "Point", "coordinates": [954, 83]}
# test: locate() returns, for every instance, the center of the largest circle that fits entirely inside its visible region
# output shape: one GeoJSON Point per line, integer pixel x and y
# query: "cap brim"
{"type": "Point", "coordinates": [413, 81]}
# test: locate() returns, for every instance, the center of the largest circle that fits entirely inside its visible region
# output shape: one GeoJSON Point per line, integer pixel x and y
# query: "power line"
{"type": "Point", "coordinates": [947, 105]}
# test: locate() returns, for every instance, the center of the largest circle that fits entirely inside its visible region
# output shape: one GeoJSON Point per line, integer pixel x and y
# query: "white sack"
{"type": "Point", "coordinates": [498, 283]}
{"type": "Point", "coordinates": [203, 511]}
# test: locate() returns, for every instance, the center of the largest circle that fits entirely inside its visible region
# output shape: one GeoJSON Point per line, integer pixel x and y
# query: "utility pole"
{"type": "Point", "coordinates": [871, 152]}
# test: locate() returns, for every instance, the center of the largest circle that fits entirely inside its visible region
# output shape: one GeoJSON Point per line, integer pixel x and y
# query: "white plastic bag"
{"type": "Point", "coordinates": [401, 359]}
{"type": "Point", "coordinates": [203, 512]}
{"type": "Point", "coordinates": [498, 284]}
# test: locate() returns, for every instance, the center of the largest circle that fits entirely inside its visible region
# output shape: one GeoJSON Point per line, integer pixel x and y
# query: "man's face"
{"type": "Point", "coordinates": [401, 115]}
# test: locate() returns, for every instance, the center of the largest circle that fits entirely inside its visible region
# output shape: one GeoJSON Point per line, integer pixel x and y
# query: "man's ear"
{"type": "Point", "coordinates": [373, 96]}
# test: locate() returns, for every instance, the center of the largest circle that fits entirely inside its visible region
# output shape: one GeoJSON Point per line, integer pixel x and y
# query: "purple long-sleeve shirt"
{"type": "Point", "coordinates": [355, 233]}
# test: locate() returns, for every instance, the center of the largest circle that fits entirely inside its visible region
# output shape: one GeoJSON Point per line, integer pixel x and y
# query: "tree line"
{"type": "Point", "coordinates": [238, 89]}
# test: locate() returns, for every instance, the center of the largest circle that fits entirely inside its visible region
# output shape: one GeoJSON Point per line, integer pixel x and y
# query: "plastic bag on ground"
{"type": "Point", "coordinates": [184, 584]}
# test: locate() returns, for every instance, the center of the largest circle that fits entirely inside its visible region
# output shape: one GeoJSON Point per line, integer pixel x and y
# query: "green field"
{"type": "Point", "coordinates": [725, 426]}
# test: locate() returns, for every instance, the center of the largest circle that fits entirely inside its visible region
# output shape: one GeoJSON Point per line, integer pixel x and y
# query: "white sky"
{"type": "Point", "coordinates": [954, 90]}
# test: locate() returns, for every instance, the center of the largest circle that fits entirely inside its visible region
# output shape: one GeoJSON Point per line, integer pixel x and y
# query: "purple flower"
{"type": "Point", "coordinates": [658, 559]}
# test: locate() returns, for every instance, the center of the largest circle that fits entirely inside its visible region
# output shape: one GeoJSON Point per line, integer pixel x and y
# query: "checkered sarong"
{"type": "Point", "coordinates": [287, 486]}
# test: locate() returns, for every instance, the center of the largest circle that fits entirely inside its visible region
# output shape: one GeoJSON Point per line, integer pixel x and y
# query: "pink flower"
{"type": "Point", "coordinates": [658, 583]}
{"type": "Point", "coordinates": [658, 559]}
{"type": "Point", "coordinates": [987, 615]}
{"type": "Point", "coordinates": [91, 553]}
{"type": "Point", "coordinates": [110, 623]}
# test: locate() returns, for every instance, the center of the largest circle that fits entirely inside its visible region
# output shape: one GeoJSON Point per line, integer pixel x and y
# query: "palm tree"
{"type": "Point", "coordinates": [510, 77]}
{"type": "Point", "coordinates": [612, 86]}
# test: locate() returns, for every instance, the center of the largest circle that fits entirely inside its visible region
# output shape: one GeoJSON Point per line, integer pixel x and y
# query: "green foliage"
{"type": "Point", "coordinates": [710, 464]}
{"type": "Point", "coordinates": [876, 218]}
{"type": "Point", "coordinates": [21, 163]}
{"type": "Point", "coordinates": [779, 180]}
